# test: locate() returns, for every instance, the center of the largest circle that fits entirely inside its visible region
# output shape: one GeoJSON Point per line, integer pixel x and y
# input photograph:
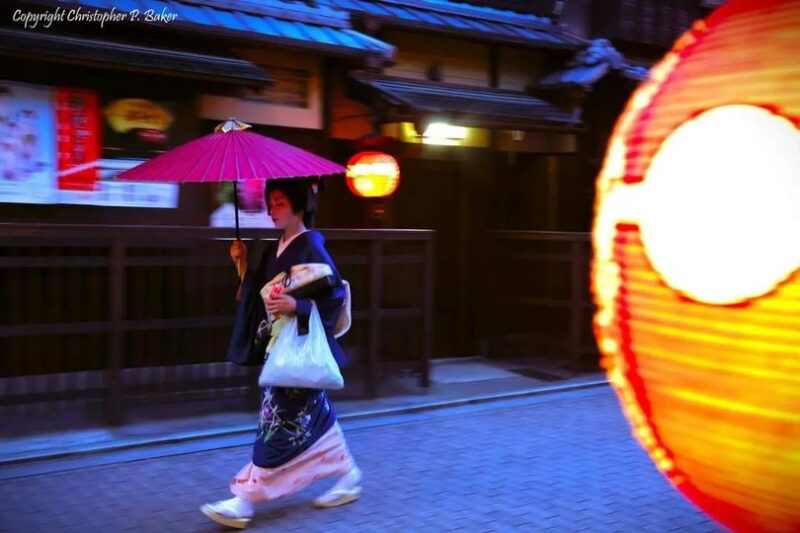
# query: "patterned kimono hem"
{"type": "Point", "coordinates": [329, 456]}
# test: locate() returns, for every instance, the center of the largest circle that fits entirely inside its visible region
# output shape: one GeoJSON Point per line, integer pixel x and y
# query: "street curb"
{"type": "Point", "coordinates": [485, 398]}
{"type": "Point", "coordinates": [245, 429]}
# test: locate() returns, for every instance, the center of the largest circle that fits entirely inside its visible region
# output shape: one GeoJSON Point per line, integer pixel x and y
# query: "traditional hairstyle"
{"type": "Point", "coordinates": [302, 195]}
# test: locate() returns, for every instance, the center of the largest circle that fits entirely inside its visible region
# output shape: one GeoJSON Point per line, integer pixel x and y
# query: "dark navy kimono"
{"type": "Point", "coordinates": [291, 420]}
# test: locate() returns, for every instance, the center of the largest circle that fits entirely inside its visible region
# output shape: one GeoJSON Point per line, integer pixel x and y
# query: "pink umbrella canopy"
{"type": "Point", "coordinates": [232, 153]}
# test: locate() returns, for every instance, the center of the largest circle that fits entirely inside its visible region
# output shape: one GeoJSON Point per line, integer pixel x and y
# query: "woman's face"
{"type": "Point", "coordinates": [280, 210]}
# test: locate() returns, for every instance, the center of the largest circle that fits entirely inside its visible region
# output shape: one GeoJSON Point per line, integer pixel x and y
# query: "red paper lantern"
{"type": "Point", "coordinates": [696, 272]}
{"type": "Point", "coordinates": [373, 174]}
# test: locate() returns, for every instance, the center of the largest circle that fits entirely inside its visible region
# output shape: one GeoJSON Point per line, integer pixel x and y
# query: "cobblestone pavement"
{"type": "Point", "coordinates": [561, 462]}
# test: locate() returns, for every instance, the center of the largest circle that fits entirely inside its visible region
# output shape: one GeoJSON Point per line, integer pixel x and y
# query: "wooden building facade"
{"type": "Point", "coordinates": [498, 112]}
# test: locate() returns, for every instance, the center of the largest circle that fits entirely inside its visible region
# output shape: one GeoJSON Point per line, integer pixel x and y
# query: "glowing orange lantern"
{"type": "Point", "coordinates": [696, 272]}
{"type": "Point", "coordinates": [373, 174]}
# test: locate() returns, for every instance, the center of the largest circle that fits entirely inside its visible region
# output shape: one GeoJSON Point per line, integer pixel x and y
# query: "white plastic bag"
{"type": "Point", "coordinates": [302, 361]}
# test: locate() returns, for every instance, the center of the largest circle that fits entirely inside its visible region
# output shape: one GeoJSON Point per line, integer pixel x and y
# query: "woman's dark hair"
{"type": "Point", "coordinates": [301, 194]}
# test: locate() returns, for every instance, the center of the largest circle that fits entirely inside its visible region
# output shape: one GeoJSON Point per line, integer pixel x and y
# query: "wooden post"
{"type": "Point", "coordinates": [375, 316]}
{"type": "Point", "coordinates": [114, 385]}
{"type": "Point", "coordinates": [327, 103]}
{"type": "Point", "coordinates": [428, 316]}
{"type": "Point", "coordinates": [464, 264]}
{"type": "Point", "coordinates": [484, 322]}
{"type": "Point", "coordinates": [576, 303]}
{"type": "Point", "coordinates": [552, 193]}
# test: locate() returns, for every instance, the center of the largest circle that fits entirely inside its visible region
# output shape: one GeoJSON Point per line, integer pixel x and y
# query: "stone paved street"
{"type": "Point", "coordinates": [559, 462]}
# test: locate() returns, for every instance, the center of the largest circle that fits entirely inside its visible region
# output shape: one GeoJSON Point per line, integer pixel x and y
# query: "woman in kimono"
{"type": "Point", "coordinates": [298, 439]}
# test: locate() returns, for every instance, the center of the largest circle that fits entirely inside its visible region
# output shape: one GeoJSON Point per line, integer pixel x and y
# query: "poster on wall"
{"type": "Point", "coordinates": [78, 143]}
{"type": "Point", "coordinates": [129, 131]}
{"type": "Point", "coordinates": [27, 144]}
{"type": "Point", "coordinates": [59, 146]}
{"type": "Point", "coordinates": [137, 128]}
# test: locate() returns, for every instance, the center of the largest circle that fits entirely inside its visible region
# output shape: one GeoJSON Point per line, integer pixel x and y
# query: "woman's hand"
{"type": "Point", "coordinates": [281, 304]}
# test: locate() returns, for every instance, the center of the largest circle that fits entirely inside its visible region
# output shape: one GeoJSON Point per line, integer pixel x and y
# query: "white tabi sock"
{"type": "Point", "coordinates": [239, 506]}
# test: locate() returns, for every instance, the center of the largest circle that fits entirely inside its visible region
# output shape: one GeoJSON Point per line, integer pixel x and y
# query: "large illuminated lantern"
{"type": "Point", "coordinates": [696, 272]}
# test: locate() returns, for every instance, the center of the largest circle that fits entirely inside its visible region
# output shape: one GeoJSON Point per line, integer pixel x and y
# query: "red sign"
{"type": "Point", "coordinates": [78, 145]}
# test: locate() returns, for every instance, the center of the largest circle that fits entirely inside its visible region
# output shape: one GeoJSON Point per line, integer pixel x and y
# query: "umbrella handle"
{"type": "Point", "coordinates": [238, 252]}
{"type": "Point", "coordinates": [236, 207]}
{"type": "Point", "coordinates": [238, 249]}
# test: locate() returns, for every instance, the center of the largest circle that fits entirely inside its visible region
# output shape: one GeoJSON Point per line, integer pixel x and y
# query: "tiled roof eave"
{"type": "Point", "coordinates": [354, 44]}
{"type": "Point", "coordinates": [301, 44]}
{"type": "Point", "coordinates": [465, 105]}
{"type": "Point", "coordinates": [568, 43]}
{"type": "Point", "coordinates": [122, 56]}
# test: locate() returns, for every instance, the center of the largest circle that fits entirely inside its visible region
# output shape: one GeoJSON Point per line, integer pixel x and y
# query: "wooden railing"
{"type": "Point", "coordinates": [536, 295]}
{"type": "Point", "coordinates": [132, 313]}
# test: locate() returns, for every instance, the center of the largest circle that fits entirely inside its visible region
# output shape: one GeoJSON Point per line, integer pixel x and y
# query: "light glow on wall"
{"type": "Point", "coordinates": [443, 133]}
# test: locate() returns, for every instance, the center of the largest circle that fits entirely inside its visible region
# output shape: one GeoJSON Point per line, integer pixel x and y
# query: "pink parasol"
{"type": "Point", "coordinates": [232, 154]}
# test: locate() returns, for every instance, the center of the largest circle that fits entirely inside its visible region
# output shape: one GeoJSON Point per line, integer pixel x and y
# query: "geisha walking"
{"type": "Point", "coordinates": [298, 439]}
